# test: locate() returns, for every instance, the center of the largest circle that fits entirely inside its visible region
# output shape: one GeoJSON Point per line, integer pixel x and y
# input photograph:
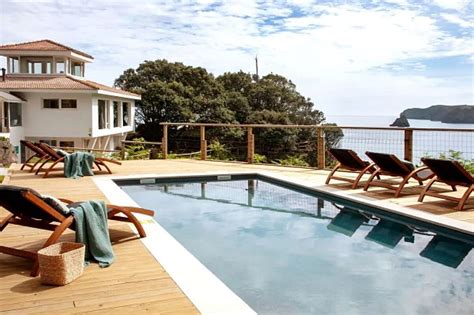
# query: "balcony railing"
{"type": "Point", "coordinates": [256, 140]}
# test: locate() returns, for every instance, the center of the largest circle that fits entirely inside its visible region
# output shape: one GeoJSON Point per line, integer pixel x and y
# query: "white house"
{"type": "Point", "coordinates": [45, 97]}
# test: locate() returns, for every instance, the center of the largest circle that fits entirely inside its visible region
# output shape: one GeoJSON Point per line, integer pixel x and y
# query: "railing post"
{"type": "Point", "coordinates": [203, 143]}
{"type": "Point", "coordinates": [250, 145]}
{"type": "Point", "coordinates": [408, 148]}
{"type": "Point", "coordinates": [164, 142]}
{"type": "Point", "coordinates": [321, 152]}
{"type": "Point", "coordinates": [122, 151]}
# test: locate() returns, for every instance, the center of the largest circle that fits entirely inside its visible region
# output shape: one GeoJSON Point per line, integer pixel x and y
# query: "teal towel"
{"type": "Point", "coordinates": [92, 230]}
{"type": "Point", "coordinates": [78, 164]}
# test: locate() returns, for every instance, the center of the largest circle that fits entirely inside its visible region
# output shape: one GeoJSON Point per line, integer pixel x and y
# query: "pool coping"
{"type": "Point", "coordinates": [208, 293]}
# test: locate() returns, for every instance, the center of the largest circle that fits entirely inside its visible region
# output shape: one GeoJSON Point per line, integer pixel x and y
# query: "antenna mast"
{"type": "Point", "coordinates": [256, 68]}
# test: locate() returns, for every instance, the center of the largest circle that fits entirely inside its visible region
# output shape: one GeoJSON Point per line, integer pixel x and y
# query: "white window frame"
{"type": "Point", "coordinates": [129, 110]}
{"type": "Point", "coordinates": [107, 114]}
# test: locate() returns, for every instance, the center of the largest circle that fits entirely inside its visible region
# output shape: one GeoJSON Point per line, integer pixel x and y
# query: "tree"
{"type": "Point", "coordinates": [174, 92]}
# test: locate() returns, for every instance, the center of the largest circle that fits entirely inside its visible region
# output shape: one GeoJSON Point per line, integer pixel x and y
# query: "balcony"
{"type": "Point", "coordinates": [44, 65]}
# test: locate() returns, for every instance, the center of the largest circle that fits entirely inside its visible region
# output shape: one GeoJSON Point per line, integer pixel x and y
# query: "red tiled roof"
{"type": "Point", "coordinates": [108, 88]}
{"type": "Point", "coordinates": [43, 45]}
{"type": "Point", "coordinates": [55, 83]}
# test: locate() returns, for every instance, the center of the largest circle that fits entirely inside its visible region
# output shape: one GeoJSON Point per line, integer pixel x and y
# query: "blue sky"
{"type": "Point", "coordinates": [351, 57]}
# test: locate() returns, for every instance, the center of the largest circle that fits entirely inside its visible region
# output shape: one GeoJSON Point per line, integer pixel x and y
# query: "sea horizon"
{"type": "Point", "coordinates": [386, 120]}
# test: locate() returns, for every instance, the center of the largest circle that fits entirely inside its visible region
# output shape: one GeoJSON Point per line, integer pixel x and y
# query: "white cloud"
{"type": "Point", "coordinates": [337, 54]}
{"type": "Point", "coordinates": [458, 5]}
{"type": "Point", "coordinates": [455, 19]}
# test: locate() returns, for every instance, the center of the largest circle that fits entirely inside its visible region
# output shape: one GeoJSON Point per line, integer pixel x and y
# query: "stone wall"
{"type": "Point", "coordinates": [7, 154]}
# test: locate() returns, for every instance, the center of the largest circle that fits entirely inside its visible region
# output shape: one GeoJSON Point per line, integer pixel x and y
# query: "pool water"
{"type": "Point", "coordinates": [285, 252]}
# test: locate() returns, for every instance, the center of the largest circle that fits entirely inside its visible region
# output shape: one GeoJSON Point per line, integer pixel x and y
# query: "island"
{"type": "Point", "coordinates": [451, 114]}
{"type": "Point", "coordinates": [401, 121]}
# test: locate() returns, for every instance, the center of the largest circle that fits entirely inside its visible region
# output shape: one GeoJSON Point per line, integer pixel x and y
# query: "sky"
{"type": "Point", "coordinates": [372, 57]}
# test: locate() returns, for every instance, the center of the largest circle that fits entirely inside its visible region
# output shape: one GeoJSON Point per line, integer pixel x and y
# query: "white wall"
{"type": "Point", "coordinates": [59, 124]}
{"type": "Point", "coordinates": [96, 132]}
{"type": "Point", "coordinates": [16, 134]}
{"type": "Point", "coordinates": [56, 122]}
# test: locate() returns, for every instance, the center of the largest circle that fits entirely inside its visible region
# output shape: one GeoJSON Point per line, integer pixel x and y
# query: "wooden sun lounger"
{"type": "Point", "coordinates": [349, 160]}
{"type": "Point", "coordinates": [27, 208]}
{"type": "Point", "coordinates": [56, 158]}
{"type": "Point", "coordinates": [390, 165]}
{"type": "Point", "coordinates": [451, 173]}
{"type": "Point", "coordinates": [39, 155]}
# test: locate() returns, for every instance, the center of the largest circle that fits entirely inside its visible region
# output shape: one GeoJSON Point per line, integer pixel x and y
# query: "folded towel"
{"type": "Point", "coordinates": [78, 164]}
{"type": "Point", "coordinates": [92, 230]}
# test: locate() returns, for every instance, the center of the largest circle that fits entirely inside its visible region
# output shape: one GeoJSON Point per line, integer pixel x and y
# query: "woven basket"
{"type": "Point", "coordinates": [61, 263]}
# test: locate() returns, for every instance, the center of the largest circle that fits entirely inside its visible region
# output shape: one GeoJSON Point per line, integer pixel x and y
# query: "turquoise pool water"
{"type": "Point", "coordinates": [285, 252]}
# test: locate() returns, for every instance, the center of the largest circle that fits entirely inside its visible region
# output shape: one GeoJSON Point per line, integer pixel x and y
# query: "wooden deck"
{"type": "Point", "coordinates": [136, 282]}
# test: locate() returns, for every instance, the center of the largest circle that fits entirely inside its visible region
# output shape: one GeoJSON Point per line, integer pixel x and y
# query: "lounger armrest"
{"type": "Point", "coordinates": [132, 209]}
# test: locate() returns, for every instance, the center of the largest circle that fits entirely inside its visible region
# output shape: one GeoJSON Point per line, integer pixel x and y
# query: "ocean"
{"type": "Point", "coordinates": [425, 143]}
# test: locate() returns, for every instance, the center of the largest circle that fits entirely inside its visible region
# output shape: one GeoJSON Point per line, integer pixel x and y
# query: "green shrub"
{"type": "Point", "coordinates": [259, 158]}
{"type": "Point", "coordinates": [136, 150]}
{"type": "Point", "coordinates": [294, 160]}
{"type": "Point", "coordinates": [219, 151]}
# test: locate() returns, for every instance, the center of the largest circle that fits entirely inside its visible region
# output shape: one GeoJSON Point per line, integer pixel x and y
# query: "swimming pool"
{"type": "Point", "coordinates": [289, 252]}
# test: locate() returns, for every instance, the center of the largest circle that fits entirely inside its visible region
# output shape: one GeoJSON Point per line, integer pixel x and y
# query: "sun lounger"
{"type": "Point", "coordinates": [347, 221]}
{"type": "Point", "coordinates": [389, 233]}
{"type": "Point", "coordinates": [451, 173]}
{"type": "Point", "coordinates": [446, 251]}
{"type": "Point", "coordinates": [57, 158]}
{"type": "Point", "coordinates": [390, 165]}
{"type": "Point", "coordinates": [39, 155]}
{"type": "Point", "coordinates": [349, 160]}
{"type": "Point", "coordinates": [29, 208]}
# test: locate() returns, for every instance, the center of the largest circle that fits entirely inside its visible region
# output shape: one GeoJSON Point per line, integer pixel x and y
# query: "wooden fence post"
{"type": "Point", "coordinates": [122, 151]}
{"type": "Point", "coordinates": [408, 147]}
{"type": "Point", "coordinates": [203, 143]}
{"type": "Point", "coordinates": [164, 142]}
{"type": "Point", "coordinates": [250, 145]}
{"type": "Point", "coordinates": [321, 152]}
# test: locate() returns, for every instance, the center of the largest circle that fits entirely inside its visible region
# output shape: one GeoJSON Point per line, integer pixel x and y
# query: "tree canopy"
{"type": "Point", "coordinates": [174, 92]}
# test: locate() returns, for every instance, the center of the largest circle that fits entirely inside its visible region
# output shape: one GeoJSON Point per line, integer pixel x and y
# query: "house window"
{"type": "Point", "coordinates": [125, 114]}
{"type": "Point", "coordinates": [52, 143]}
{"type": "Point", "coordinates": [14, 65]}
{"type": "Point", "coordinates": [103, 114]}
{"type": "Point", "coordinates": [50, 103]}
{"type": "Point", "coordinates": [68, 103]}
{"type": "Point", "coordinates": [66, 144]}
{"type": "Point", "coordinates": [116, 114]}
{"type": "Point", "coordinates": [34, 67]}
{"type": "Point", "coordinates": [15, 114]}
{"type": "Point", "coordinates": [76, 69]}
{"type": "Point", "coordinates": [60, 67]}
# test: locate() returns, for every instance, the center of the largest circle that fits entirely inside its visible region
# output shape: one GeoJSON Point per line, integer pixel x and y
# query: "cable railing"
{"type": "Point", "coordinates": [307, 145]}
